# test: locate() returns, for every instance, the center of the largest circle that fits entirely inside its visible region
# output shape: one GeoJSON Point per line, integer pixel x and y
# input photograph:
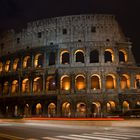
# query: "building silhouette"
{"type": "Point", "coordinates": [72, 66]}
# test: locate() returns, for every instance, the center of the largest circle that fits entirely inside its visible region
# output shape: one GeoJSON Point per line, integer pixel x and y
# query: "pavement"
{"type": "Point", "coordinates": [118, 122]}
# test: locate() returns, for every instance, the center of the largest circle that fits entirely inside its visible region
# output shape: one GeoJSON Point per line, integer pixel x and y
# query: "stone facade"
{"type": "Point", "coordinates": [72, 66]}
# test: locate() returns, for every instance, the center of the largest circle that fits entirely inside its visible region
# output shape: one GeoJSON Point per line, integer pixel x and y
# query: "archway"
{"type": "Point", "coordinates": [110, 82]}
{"type": "Point", "coordinates": [111, 106]}
{"type": "Point", "coordinates": [94, 56]}
{"type": "Point", "coordinates": [51, 110]}
{"type": "Point", "coordinates": [95, 109]}
{"type": "Point", "coordinates": [79, 56]}
{"type": "Point", "coordinates": [125, 106]}
{"type": "Point", "coordinates": [38, 109]}
{"type": "Point", "coordinates": [14, 87]}
{"type": "Point", "coordinates": [25, 86]}
{"type": "Point", "coordinates": [27, 110]}
{"type": "Point", "coordinates": [65, 82]}
{"type": "Point", "coordinates": [95, 82]}
{"type": "Point", "coordinates": [66, 109]}
{"type": "Point", "coordinates": [51, 83]}
{"type": "Point", "coordinates": [81, 110]}
{"type": "Point", "coordinates": [125, 82]}
{"type": "Point", "coordinates": [80, 82]}
{"type": "Point", "coordinates": [64, 57]}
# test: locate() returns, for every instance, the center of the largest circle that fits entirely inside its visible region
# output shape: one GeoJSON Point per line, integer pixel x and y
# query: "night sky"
{"type": "Point", "coordinates": [16, 13]}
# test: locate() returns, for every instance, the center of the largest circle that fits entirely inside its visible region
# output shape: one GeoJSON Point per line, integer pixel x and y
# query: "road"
{"type": "Point", "coordinates": [32, 130]}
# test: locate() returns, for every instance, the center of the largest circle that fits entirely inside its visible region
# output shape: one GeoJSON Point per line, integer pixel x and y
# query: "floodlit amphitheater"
{"type": "Point", "coordinates": [71, 66]}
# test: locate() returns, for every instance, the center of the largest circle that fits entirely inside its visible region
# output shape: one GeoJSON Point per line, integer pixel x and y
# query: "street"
{"type": "Point", "coordinates": [37, 130]}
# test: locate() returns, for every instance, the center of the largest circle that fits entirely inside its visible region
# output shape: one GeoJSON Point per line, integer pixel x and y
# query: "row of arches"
{"type": "Point", "coordinates": [95, 109]}
{"type": "Point", "coordinates": [79, 56]}
{"type": "Point", "coordinates": [66, 83]}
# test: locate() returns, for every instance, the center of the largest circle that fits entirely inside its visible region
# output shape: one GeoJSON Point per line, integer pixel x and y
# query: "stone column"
{"type": "Point", "coordinates": [44, 83]}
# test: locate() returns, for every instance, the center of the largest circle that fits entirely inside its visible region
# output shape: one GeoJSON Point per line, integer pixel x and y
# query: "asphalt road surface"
{"type": "Point", "coordinates": [47, 131]}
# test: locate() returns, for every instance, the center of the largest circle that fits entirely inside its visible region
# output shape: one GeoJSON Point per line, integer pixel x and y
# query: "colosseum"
{"type": "Point", "coordinates": [71, 66]}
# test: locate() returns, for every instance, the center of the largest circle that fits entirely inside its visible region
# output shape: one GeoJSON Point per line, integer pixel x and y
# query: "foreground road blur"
{"type": "Point", "coordinates": [52, 130]}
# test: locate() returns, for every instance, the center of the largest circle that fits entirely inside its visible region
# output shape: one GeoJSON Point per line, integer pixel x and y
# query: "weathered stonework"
{"type": "Point", "coordinates": [72, 66]}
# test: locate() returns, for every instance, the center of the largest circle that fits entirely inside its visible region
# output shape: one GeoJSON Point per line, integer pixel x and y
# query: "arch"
{"type": "Point", "coordinates": [27, 62]}
{"type": "Point", "coordinates": [16, 64]}
{"type": "Point", "coordinates": [65, 82]}
{"type": "Point", "coordinates": [123, 57]}
{"type": "Point", "coordinates": [26, 110]}
{"type": "Point", "coordinates": [95, 82]}
{"type": "Point", "coordinates": [125, 81]}
{"type": "Point", "coordinates": [109, 55]}
{"type": "Point", "coordinates": [95, 109]}
{"type": "Point", "coordinates": [14, 87]}
{"type": "Point", "coordinates": [80, 83]}
{"type": "Point", "coordinates": [79, 56]}
{"type": "Point", "coordinates": [137, 81]}
{"type": "Point", "coordinates": [38, 60]}
{"type": "Point", "coordinates": [64, 57]}
{"type": "Point", "coordinates": [111, 106]}
{"type": "Point", "coordinates": [7, 65]}
{"type": "Point", "coordinates": [66, 109]}
{"type": "Point", "coordinates": [51, 110]}
{"type": "Point", "coordinates": [110, 81]}
{"type": "Point", "coordinates": [6, 88]}
{"type": "Point", "coordinates": [125, 106]}
{"type": "Point", "coordinates": [94, 56]}
{"type": "Point", "coordinates": [1, 66]}
{"type": "Point", "coordinates": [81, 109]}
{"type": "Point", "coordinates": [51, 83]}
{"type": "Point", "coordinates": [38, 109]}
{"type": "Point", "coordinates": [25, 86]}
{"type": "Point", "coordinates": [37, 85]}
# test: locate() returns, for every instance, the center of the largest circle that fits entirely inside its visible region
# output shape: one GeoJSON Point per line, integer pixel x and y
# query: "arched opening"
{"type": "Point", "coordinates": [96, 109]}
{"type": "Point", "coordinates": [94, 56]}
{"type": "Point", "coordinates": [26, 110]}
{"type": "Point", "coordinates": [122, 56]}
{"type": "Point", "coordinates": [125, 82]}
{"type": "Point", "coordinates": [137, 81]}
{"type": "Point", "coordinates": [66, 109]}
{"type": "Point", "coordinates": [111, 106]}
{"type": "Point", "coordinates": [38, 60]}
{"type": "Point", "coordinates": [51, 110]}
{"type": "Point", "coordinates": [79, 56]}
{"type": "Point", "coordinates": [6, 88]}
{"type": "Point", "coordinates": [109, 55]}
{"type": "Point", "coordinates": [137, 106]}
{"type": "Point", "coordinates": [25, 86]}
{"type": "Point", "coordinates": [7, 66]}
{"type": "Point", "coordinates": [52, 58]}
{"type": "Point", "coordinates": [1, 66]}
{"type": "Point", "coordinates": [16, 64]}
{"type": "Point", "coordinates": [14, 87]}
{"type": "Point", "coordinates": [51, 83]}
{"type": "Point", "coordinates": [80, 82]}
{"type": "Point", "coordinates": [81, 110]}
{"type": "Point", "coordinates": [27, 62]}
{"type": "Point", "coordinates": [110, 82]}
{"type": "Point", "coordinates": [125, 106]}
{"type": "Point", "coordinates": [65, 82]}
{"type": "Point", "coordinates": [65, 58]}
{"type": "Point", "coordinates": [95, 82]}
{"type": "Point", "coordinates": [38, 109]}
{"type": "Point", "coordinates": [37, 85]}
